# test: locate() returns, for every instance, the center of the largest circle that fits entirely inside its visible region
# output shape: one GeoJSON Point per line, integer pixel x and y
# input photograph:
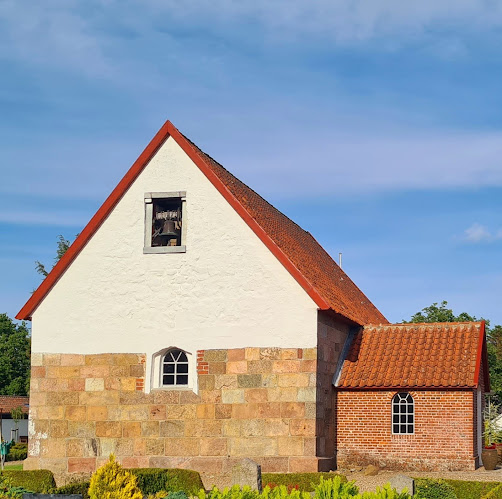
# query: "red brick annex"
{"type": "Point", "coordinates": [192, 324]}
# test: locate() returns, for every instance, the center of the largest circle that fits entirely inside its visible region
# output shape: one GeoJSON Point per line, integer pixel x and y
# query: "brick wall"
{"type": "Point", "coordinates": [253, 402]}
{"type": "Point", "coordinates": [443, 439]}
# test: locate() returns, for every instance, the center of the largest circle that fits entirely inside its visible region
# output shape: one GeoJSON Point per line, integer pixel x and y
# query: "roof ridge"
{"type": "Point", "coordinates": [199, 150]}
{"type": "Point", "coordinates": [296, 249]}
{"type": "Point", "coordinates": [405, 324]}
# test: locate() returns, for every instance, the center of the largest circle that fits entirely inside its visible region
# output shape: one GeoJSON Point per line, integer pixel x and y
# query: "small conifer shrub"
{"type": "Point", "coordinates": [111, 481]}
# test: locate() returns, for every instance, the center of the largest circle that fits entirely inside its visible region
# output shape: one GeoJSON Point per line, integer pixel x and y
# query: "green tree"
{"type": "Point", "coordinates": [62, 247]}
{"type": "Point", "coordinates": [15, 346]}
{"type": "Point", "coordinates": [441, 313]}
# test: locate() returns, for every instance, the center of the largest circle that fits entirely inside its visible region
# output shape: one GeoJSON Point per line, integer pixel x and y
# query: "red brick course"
{"type": "Point", "coordinates": [444, 430]}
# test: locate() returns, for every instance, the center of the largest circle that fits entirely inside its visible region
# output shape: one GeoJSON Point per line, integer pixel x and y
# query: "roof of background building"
{"type": "Point", "coordinates": [436, 355]}
{"type": "Point", "coordinates": [9, 402]}
{"type": "Point", "coordinates": [295, 248]}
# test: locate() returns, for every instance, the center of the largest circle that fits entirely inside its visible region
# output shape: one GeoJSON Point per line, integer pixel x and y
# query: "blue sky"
{"type": "Point", "coordinates": [375, 125]}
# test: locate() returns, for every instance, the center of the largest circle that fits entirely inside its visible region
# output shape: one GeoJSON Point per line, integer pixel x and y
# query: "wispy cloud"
{"type": "Point", "coordinates": [56, 219]}
{"type": "Point", "coordinates": [478, 233]}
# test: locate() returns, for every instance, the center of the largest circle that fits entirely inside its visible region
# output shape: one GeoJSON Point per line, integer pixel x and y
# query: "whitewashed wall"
{"type": "Point", "coordinates": [9, 424]}
{"type": "Point", "coordinates": [226, 291]}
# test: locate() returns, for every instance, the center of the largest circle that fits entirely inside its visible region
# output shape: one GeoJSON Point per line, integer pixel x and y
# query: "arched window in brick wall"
{"type": "Point", "coordinates": [174, 368]}
{"type": "Point", "coordinates": [403, 414]}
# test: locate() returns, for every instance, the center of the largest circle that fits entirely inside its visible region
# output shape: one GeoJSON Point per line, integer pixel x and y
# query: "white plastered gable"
{"type": "Point", "coordinates": [226, 291]}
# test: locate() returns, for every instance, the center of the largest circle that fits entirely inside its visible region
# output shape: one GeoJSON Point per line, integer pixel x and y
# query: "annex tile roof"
{"type": "Point", "coordinates": [295, 248]}
{"type": "Point", "coordinates": [436, 355]}
{"type": "Point", "coordinates": [9, 402]}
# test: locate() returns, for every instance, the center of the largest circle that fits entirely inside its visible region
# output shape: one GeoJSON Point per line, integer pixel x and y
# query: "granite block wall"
{"type": "Point", "coordinates": [259, 403]}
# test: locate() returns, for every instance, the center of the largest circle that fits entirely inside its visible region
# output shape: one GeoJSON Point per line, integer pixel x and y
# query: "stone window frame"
{"type": "Point", "coordinates": [400, 401]}
{"type": "Point", "coordinates": [148, 199]}
{"type": "Point", "coordinates": [156, 371]}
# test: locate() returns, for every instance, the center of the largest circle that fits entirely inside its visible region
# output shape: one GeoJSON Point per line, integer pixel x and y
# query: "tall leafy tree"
{"type": "Point", "coordinates": [15, 348]}
{"type": "Point", "coordinates": [62, 247]}
{"type": "Point", "coordinates": [441, 313]}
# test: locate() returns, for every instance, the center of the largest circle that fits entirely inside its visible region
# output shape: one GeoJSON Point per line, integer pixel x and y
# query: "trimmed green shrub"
{"type": "Point", "coordinates": [305, 481]}
{"type": "Point", "coordinates": [426, 488]}
{"type": "Point", "coordinates": [9, 491]}
{"type": "Point", "coordinates": [471, 490]}
{"type": "Point", "coordinates": [153, 480]}
{"type": "Point", "coordinates": [75, 488]}
{"type": "Point", "coordinates": [18, 452]}
{"type": "Point", "coordinates": [494, 493]}
{"type": "Point", "coordinates": [41, 481]}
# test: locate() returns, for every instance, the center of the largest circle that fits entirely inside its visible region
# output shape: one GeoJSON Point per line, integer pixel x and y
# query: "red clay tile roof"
{"type": "Point", "coordinates": [300, 247]}
{"type": "Point", "coordinates": [296, 249]}
{"type": "Point", "coordinates": [9, 402]}
{"type": "Point", "coordinates": [437, 355]}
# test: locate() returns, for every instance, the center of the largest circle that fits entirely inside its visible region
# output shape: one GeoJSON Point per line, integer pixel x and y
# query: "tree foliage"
{"type": "Point", "coordinates": [441, 313]}
{"type": "Point", "coordinates": [62, 247]}
{"type": "Point", "coordinates": [15, 346]}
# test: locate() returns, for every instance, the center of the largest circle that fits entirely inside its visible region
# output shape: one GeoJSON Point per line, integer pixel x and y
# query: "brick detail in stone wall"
{"type": "Point", "coordinates": [202, 366]}
{"type": "Point", "coordinates": [443, 438]}
{"type": "Point", "coordinates": [252, 402]}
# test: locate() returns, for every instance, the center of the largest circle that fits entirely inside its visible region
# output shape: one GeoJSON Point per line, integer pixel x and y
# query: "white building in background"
{"type": "Point", "coordinates": [10, 428]}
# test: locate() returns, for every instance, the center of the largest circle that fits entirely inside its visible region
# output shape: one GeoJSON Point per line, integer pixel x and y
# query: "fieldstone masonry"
{"type": "Point", "coordinates": [259, 403]}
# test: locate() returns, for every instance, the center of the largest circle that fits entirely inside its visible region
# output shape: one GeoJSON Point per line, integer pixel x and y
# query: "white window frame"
{"type": "Point", "coordinates": [157, 368]}
{"type": "Point", "coordinates": [403, 402]}
{"type": "Point", "coordinates": [176, 363]}
{"type": "Point", "coordinates": [149, 197]}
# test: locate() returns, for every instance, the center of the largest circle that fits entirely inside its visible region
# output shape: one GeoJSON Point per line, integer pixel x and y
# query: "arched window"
{"type": "Point", "coordinates": [174, 368]}
{"type": "Point", "coordinates": [403, 414]}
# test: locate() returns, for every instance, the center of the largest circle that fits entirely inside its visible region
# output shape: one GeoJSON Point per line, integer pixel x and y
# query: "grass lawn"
{"type": "Point", "coordinates": [13, 466]}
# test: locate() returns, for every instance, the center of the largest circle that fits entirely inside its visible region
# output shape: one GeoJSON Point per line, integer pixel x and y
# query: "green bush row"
{"type": "Point", "coordinates": [429, 488]}
{"type": "Point", "coordinates": [494, 493]}
{"type": "Point", "coordinates": [305, 482]}
{"type": "Point", "coordinates": [150, 481]}
{"type": "Point", "coordinates": [18, 452]}
{"type": "Point", "coordinates": [333, 488]}
{"type": "Point", "coordinates": [41, 481]}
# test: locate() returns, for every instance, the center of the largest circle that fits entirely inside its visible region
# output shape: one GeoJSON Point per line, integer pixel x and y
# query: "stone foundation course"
{"type": "Point", "coordinates": [258, 403]}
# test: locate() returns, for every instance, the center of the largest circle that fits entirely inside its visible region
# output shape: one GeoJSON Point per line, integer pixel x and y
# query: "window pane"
{"type": "Point", "coordinates": [182, 380]}
{"type": "Point", "coordinates": [182, 368]}
{"type": "Point", "coordinates": [410, 418]}
{"type": "Point", "coordinates": [182, 357]}
{"type": "Point", "coordinates": [410, 408]}
{"type": "Point", "coordinates": [403, 419]}
{"type": "Point", "coordinates": [168, 368]}
{"type": "Point", "coordinates": [395, 428]}
{"type": "Point", "coordinates": [168, 380]}
{"type": "Point", "coordinates": [403, 429]}
{"type": "Point", "coordinates": [395, 418]}
{"type": "Point", "coordinates": [410, 428]}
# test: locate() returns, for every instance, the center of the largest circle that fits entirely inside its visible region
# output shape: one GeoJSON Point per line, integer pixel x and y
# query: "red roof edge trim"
{"type": "Point", "coordinates": [482, 359]}
{"type": "Point", "coordinates": [257, 229]}
{"type": "Point", "coordinates": [95, 222]}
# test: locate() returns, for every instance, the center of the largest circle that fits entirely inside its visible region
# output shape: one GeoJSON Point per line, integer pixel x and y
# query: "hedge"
{"type": "Point", "coordinates": [74, 488]}
{"type": "Point", "coordinates": [150, 481]}
{"type": "Point", "coordinates": [494, 493]}
{"type": "Point", "coordinates": [153, 480]}
{"type": "Point", "coordinates": [305, 481]}
{"type": "Point", "coordinates": [41, 481]}
{"type": "Point", "coordinates": [428, 487]}
{"type": "Point", "coordinates": [18, 452]}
